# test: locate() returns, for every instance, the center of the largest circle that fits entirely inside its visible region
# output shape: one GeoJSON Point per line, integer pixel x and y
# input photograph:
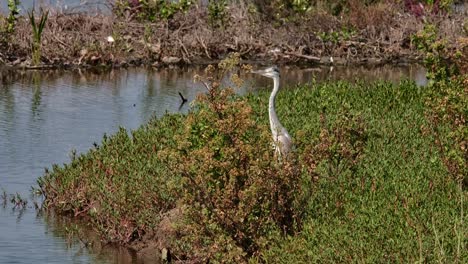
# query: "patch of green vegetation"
{"type": "Point", "coordinates": [447, 107]}
{"type": "Point", "coordinates": [217, 12]}
{"type": "Point", "coordinates": [12, 16]}
{"type": "Point", "coordinates": [397, 203]}
{"type": "Point", "coordinates": [8, 23]}
{"type": "Point", "coordinates": [121, 184]}
{"type": "Point", "coordinates": [151, 10]}
{"type": "Point", "coordinates": [373, 185]}
{"type": "Point", "coordinates": [336, 36]}
{"type": "Point", "coordinates": [442, 4]}
{"type": "Point", "coordinates": [436, 57]}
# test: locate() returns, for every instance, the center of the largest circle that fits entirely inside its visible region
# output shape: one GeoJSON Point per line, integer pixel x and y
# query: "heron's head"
{"type": "Point", "coordinates": [270, 72]}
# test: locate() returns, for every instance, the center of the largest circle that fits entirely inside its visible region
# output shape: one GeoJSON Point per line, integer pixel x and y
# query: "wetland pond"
{"type": "Point", "coordinates": [46, 115]}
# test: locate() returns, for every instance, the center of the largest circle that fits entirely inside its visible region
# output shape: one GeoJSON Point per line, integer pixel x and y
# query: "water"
{"type": "Point", "coordinates": [65, 6]}
{"type": "Point", "coordinates": [44, 115]}
{"type": "Point", "coordinates": [103, 5]}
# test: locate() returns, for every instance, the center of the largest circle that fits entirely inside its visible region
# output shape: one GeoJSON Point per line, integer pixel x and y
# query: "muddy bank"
{"type": "Point", "coordinates": [377, 34]}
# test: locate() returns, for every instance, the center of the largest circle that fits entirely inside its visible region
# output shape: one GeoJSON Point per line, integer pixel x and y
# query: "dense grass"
{"type": "Point", "coordinates": [398, 205]}
{"type": "Point", "coordinates": [375, 186]}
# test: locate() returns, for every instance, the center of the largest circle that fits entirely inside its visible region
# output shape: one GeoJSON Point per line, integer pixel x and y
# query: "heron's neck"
{"type": "Point", "coordinates": [274, 122]}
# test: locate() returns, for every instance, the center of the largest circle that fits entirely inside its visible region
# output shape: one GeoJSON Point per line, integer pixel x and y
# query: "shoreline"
{"type": "Point", "coordinates": [368, 62]}
{"type": "Point", "coordinates": [82, 40]}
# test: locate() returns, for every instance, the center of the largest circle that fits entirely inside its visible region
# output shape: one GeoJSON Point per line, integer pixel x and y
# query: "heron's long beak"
{"type": "Point", "coordinates": [258, 71]}
{"type": "Point", "coordinates": [261, 72]}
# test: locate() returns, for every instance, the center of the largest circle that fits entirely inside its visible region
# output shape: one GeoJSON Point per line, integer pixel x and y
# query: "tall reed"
{"type": "Point", "coordinates": [37, 30]}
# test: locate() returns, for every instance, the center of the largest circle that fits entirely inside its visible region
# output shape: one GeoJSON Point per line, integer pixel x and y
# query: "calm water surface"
{"type": "Point", "coordinates": [104, 6]}
{"type": "Point", "coordinates": [45, 115]}
{"type": "Point", "coordinates": [66, 6]}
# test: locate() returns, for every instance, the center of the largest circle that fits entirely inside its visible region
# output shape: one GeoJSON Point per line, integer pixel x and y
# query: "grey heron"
{"type": "Point", "coordinates": [281, 138]}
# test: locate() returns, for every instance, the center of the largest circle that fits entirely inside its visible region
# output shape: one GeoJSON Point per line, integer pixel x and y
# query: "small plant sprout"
{"type": "Point", "coordinates": [18, 201]}
{"type": "Point", "coordinates": [36, 191]}
{"type": "Point", "coordinates": [37, 34]}
{"type": "Point", "coordinates": [4, 197]}
{"type": "Point", "coordinates": [11, 19]}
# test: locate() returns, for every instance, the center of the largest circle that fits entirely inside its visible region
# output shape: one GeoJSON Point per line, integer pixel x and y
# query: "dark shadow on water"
{"type": "Point", "coordinates": [82, 240]}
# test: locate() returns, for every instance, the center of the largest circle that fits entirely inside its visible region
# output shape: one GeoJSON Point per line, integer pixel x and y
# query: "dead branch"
{"type": "Point", "coordinates": [303, 56]}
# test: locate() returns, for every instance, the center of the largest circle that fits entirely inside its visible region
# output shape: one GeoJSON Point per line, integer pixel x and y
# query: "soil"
{"type": "Point", "coordinates": [380, 34]}
{"type": "Point", "coordinates": [156, 245]}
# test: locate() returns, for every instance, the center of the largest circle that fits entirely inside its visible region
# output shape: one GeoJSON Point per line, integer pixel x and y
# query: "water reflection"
{"type": "Point", "coordinates": [84, 242]}
{"type": "Point", "coordinates": [44, 115]}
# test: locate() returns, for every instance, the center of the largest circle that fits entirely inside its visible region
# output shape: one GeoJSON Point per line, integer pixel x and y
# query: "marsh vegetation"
{"type": "Point", "coordinates": [160, 32]}
{"type": "Point", "coordinates": [379, 169]}
{"type": "Point", "coordinates": [379, 173]}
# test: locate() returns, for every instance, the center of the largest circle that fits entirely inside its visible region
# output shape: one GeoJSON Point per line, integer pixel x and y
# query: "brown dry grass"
{"type": "Point", "coordinates": [382, 34]}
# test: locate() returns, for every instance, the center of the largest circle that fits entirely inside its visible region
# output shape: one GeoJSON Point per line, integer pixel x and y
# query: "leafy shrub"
{"type": "Point", "coordinates": [235, 192]}
{"type": "Point", "coordinates": [448, 110]}
{"type": "Point", "coordinates": [436, 59]}
{"type": "Point", "coordinates": [217, 12]}
{"type": "Point", "coordinates": [120, 185]}
{"type": "Point", "coordinates": [12, 16]}
{"type": "Point", "coordinates": [8, 23]}
{"type": "Point", "coordinates": [447, 107]}
{"type": "Point", "coordinates": [336, 37]}
{"type": "Point", "coordinates": [151, 10]}
{"type": "Point", "coordinates": [339, 147]}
